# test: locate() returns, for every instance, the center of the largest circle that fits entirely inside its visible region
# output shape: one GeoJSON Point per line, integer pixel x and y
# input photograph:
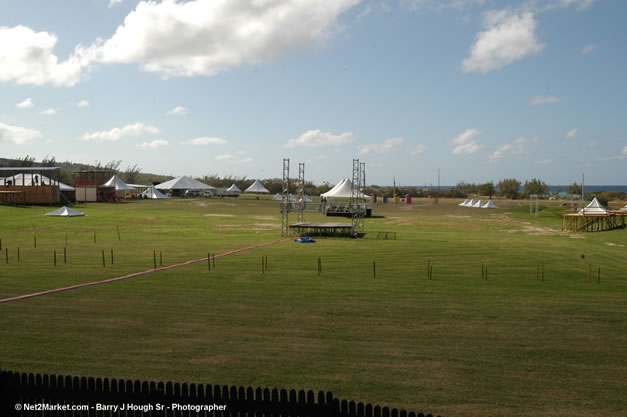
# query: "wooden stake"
{"type": "Point", "coordinates": [55, 257]}
{"type": "Point", "coordinates": [431, 271]}
{"type": "Point", "coordinates": [118, 228]}
{"type": "Point", "coordinates": [103, 259]}
{"type": "Point", "coordinates": [111, 256]}
{"type": "Point", "coordinates": [64, 255]}
{"type": "Point", "coordinates": [599, 275]}
{"type": "Point", "coordinates": [0, 244]}
{"type": "Point", "coordinates": [374, 269]}
{"type": "Point", "coordinates": [154, 258]}
{"type": "Point", "coordinates": [94, 237]}
{"type": "Point", "coordinates": [35, 241]}
{"type": "Point", "coordinates": [18, 253]}
{"type": "Point", "coordinates": [208, 261]}
{"type": "Point", "coordinates": [428, 268]}
{"type": "Point", "coordinates": [160, 259]}
{"type": "Point", "coordinates": [6, 254]}
{"type": "Point", "coordinates": [542, 272]}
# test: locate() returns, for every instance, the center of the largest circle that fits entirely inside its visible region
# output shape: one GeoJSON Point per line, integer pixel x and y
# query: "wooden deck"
{"type": "Point", "coordinates": [576, 222]}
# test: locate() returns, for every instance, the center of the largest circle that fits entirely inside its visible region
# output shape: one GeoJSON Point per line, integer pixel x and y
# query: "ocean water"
{"type": "Point", "coordinates": [592, 188]}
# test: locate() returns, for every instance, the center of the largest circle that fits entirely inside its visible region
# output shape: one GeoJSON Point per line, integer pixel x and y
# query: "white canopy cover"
{"type": "Point", "coordinates": [27, 178]}
{"type": "Point", "coordinates": [465, 203]}
{"type": "Point", "coordinates": [277, 197]}
{"type": "Point", "coordinates": [307, 199]}
{"type": "Point", "coordinates": [65, 212]}
{"type": "Point", "coordinates": [234, 189]}
{"type": "Point", "coordinates": [256, 188]}
{"type": "Point", "coordinates": [478, 204]}
{"type": "Point", "coordinates": [118, 184]}
{"type": "Point", "coordinates": [489, 205]}
{"type": "Point", "coordinates": [593, 208]}
{"type": "Point", "coordinates": [343, 189]}
{"type": "Point", "coordinates": [153, 193]}
{"type": "Point", "coordinates": [183, 183]}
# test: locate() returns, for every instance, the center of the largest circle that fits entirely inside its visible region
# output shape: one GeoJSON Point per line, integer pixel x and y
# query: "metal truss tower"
{"type": "Point", "coordinates": [357, 206]}
{"type": "Point", "coordinates": [301, 192]}
{"type": "Point", "coordinates": [285, 201]}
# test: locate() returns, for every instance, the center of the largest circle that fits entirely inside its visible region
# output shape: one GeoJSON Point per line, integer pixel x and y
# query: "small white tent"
{"type": "Point", "coordinates": [306, 198]}
{"type": "Point", "coordinates": [593, 208]}
{"type": "Point", "coordinates": [65, 212]}
{"type": "Point", "coordinates": [256, 188]}
{"type": "Point", "coordinates": [489, 205]}
{"type": "Point", "coordinates": [153, 193]}
{"type": "Point", "coordinates": [471, 203]}
{"type": "Point", "coordinates": [466, 201]}
{"type": "Point", "coordinates": [234, 189]}
{"type": "Point", "coordinates": [478, 204]}
{"type": "Point", "coordinates": [343, 189]}
{"type": "Point", "coordinates": [277, 197]}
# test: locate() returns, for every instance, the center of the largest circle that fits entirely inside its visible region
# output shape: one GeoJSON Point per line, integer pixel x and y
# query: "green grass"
{"type": "Point", "coordinates": [453, 345]}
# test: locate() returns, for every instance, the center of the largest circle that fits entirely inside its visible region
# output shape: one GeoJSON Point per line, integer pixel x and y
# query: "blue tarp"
{"type": "Point", "coordinates": [304, 240]}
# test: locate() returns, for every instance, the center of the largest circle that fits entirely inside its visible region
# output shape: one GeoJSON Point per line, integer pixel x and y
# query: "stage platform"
{"type": "Point", "coordinates": [323, 229]}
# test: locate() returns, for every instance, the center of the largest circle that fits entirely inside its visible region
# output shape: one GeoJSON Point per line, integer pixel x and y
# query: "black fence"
{"type": "Point", "coordinates": [56, 395]}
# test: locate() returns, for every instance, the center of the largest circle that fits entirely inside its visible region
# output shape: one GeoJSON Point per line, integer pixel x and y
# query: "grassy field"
{"type": "Point", "coordinates": [455, 345]}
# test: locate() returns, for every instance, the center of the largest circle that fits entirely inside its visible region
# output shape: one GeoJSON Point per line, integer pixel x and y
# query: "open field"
{"type": "Point", "coordinates": [456, 345]}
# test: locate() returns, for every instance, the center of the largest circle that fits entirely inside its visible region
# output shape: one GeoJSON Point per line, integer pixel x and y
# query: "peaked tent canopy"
{"type": "Point", "coordinates": [307, 199]}
{"type": "Point", "coordinates": [343, 189]}
{"type": "Point", "coordinates": [234, 189]}
{"type": "Point", "coordinates": [118, 184]}
{"type": "Point", "coordinates": [65, 212]}
{"type": "Point", "coordinates": [489, 205]}
{"type": "Point", "coordinates": [478, 204]}
{"type": "Point", "coordinates": [593, 208]}
{"type": "Point", "coordinates": [153, 193]}
{"type": "Point", "coordinates": [183, 183]}
{"type": "Point", "coordinates": [256, 188]}
{"type": "Point", "coordinates": [466, 201]}
{"type": "Point", "coordinates": [471, 203]}
{"type": "Point", "coordinates": [277, 197]}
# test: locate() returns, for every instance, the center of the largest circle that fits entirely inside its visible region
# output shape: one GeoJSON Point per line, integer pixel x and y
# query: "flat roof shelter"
{"type": "Point", "coordinates": [28, 185]}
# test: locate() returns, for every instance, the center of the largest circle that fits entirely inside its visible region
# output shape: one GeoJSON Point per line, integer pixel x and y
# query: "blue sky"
{"type": "Point", "coordinates": [482, 90]}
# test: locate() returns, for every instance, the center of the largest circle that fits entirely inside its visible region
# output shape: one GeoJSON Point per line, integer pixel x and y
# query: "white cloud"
{"type": "Point", "coordinates": [385, 147]}
{"type": "Point", "coordinates": [117, 133]}
{"type": "Point", "coordinates": [588, 49]}
{"type": "Point", "coordinates": [82, 104]}
{"type": "Point", "coordinates": [571, 133]}
{"type": "Point", "coordinates": [622, 155]}
{"type": "Point", "coordinates": [543, 162]}
{"type": "Point", "coordinates": [177, 111]}
{"type": "Point", "coordinates": [535, 100]}
{"type": "Point", "coordinates": [204, 37]}
{"type": "Point", "coordinates": [17, 135]}
{"type": "Point", "coordinates": [441, 4]}
{"type": "Point", "coordinates": [114, 3]}
{"type": "Point", "coordinates": [507, 38]}
{"type": "Point", "coordinates": [418, 149]}
{"type": "Point", "coordinates": [155, 144]}
{"type": "Point", "coordinates": [49, 112]}
{"type": "Point", "coordinates": [26, 58]}
{"type": "Point", "coordinates": [205, 141]}
{"type": "Point", "coordinates": [319, 138]}
{"type": "Point", "coordinates": [465, 142]}
{"type": "Point", "coordinates": [510, 149]}
{"type": "Point", "coordinates": [26, 104]}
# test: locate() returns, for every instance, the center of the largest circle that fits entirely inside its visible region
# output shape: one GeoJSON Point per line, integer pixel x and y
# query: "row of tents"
{"type": "Point", "coordinates": [478, 204]}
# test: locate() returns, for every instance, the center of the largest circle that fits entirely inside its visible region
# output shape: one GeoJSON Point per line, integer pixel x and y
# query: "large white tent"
{"type": "Point", "coordinates": [65, 212]}
{"type": "Point", "coordinates": [121, 188]}
{"type": "Point", "coordinates": [153, 193]}
{"type": "Point", "coordinates": [182, 184]}
{"type": "Point", "coordinates": [343, 189]}
{"type": "Point", "coordinates": [257, 188]}
{"type": "Point", "coordinates": [593, 208]}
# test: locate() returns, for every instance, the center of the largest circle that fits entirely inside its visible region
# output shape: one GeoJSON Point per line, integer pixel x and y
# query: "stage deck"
{"type": "Point", "coordinates": [330, 229]}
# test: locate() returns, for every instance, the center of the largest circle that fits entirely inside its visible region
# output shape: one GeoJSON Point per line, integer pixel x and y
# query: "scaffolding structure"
{"type": "Point", "coordinates": [285, 227]}
{"type": "Point", "coordinates": [357, 203]}
{"type": "Point", "coordinates": [301, 192]}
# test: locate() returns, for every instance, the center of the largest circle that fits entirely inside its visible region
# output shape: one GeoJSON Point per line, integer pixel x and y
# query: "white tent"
{"type": "Point", "coordinates": [183, 183]}
{"type": "Point", "coordinates": [234, 189]}
{"type": "Point", "coordinates": [489, 205]}
{"type": "Point", "coordinates": [465, 203]}
{"type": "Point", "coordinates": [593, 208]}
{"type": "Point", "coordinates": [478, 204]}
{"type": "Point", "coordinates": [256, 188]}
{"type": "Point", "coordinates": [28, 178]}
{"type": "Point", "coordinates": [65, 212]}
{"type": "Point", "coordinates": [307, 199]}
{"type": "Point", "coordinates": [343, 189]}
{"type": "Point", "coordinates": [277, 197]}
{"type": "Point", "coordinates": [471, 203]}
{"type": "Point", "coordinates": [153, 193]}
{"type": "Point", "coordinates": [118, 184]}
{"type": "Point", "coordinates": [624, 208]}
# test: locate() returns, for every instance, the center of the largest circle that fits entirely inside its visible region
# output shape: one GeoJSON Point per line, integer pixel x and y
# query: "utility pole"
{"type": "Point", "coordinates": [394, 189]}
{"type": "Point", "coordinates": [582, 193]}
{"type": "Point", "coordinates": [438, 180]}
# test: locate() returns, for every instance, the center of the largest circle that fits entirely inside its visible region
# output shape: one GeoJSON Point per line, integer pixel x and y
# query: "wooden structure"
{"type": "Point", "coordinates": [322, 229]}
{"type": "Point", "coordinates": [594, 222]}
{"type": "Point", "coordinates": [28, 185]}
{"type": "Point", "coordinates": [87, 182]}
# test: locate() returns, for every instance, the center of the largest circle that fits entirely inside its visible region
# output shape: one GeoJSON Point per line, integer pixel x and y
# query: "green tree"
{"type": "Point", "coordinates": [535, 186]}
{"type": "Point", "coordinates": [487, 189]}
{"type": "Point", "coordinates": [131, 175]}
{"type": "Point", "coordinates": [574, 188]}
{"type": "Point", "coordinates": [509, 187]}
